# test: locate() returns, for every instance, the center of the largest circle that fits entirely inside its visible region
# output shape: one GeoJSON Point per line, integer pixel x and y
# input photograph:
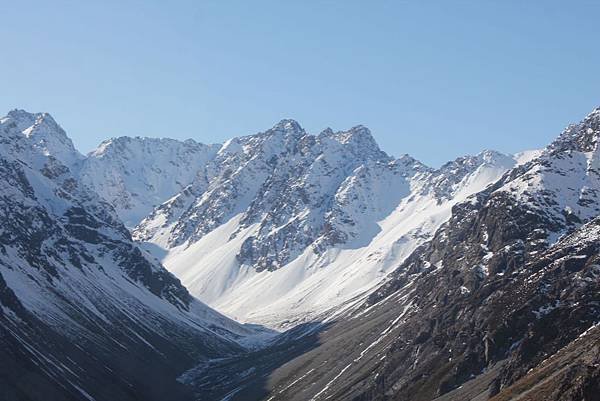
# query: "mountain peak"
{"type": "Point", "coordinates": [127, 143]}
{"type": "Point", "coordinates": [361, 132]}
{"type": "Point", "coordinates": [24, 119]}
{"type": "Point", "coordinates": [485, 157]}
{"type": "Point", "coordinates": [45, 134]}
{"type": "Point", "coordinates": [493, 157]}
{"type": "Point", "coordinates": [408, 160]}
{"type": "Point", "coordinates": [288, 125]}
{"type": "Point", "coordinates": [358, 132]}
{"type": "Point", "coordinates": [581, 137]}
{"type": "Point", "coordinates": [20, 114]}
{"type": "Point", "coordinates": [358, 137]}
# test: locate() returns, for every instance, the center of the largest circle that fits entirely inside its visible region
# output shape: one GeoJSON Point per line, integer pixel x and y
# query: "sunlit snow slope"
{"type": "Point", "coordinates": [137, 174]}
{"type": "Point", "coordinates": [293, 227]}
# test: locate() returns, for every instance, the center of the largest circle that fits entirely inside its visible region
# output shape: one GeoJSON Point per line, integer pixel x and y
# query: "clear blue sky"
{"type": "Point", "coordinates": [435, 79]}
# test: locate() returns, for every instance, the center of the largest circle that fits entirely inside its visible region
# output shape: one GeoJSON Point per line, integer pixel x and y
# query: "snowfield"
{"type": "Point", "coordinates": [361, 225]}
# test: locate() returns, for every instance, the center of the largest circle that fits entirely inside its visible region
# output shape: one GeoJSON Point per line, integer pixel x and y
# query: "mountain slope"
{"type": "Point", "coordinates": [476, 280]}
{"type": "Point", "coordinates": [290, 226]}
{"type": "Point", "coordinates": [84, 313]}
{"type": "Point", "coordinates": [570, 374]}
{"type": "Point", "coordinates": [137, 174]}
{"type": "Point", "coordinates": [495, 304]}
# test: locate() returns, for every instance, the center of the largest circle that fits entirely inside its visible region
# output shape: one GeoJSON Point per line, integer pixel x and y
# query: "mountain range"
{"type": "Point", "coordinates": [290, 266]}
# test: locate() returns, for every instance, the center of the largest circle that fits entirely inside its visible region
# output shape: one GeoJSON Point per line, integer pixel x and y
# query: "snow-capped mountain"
{"type": "Point", "coordinates": [84, 313]}
{"type": "Point", "coordinates": [502, 303]}
{"type": "Point", "coordinates": [286, 226]}
{"type": "Point", "coordinates": [44, 135]}
{"type": "Point", "coordinates": [133, 174]}
{"type": "Point", "coordinates": [137, 174]}
{"type": "Point", "coordinates": [478, 279]}
{"type": "Point", "coordinates": [248, 174]}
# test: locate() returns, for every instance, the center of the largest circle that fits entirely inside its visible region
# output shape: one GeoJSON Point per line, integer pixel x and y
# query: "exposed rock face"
{"type": "Point", "coordinates": [284, 180]}
{"type": "Point", "coordinates": [498, 299]}
{"type": "Point", "coordinates": [84, 313]}
{"type": "Point", "coordinates": [329, 215]}
{"type": "Point", "coordinates": [509, 284]}
{"type": "Point", "coordinates": [301, 191]}
{"type": "Point", "coordinates": [571, 374]}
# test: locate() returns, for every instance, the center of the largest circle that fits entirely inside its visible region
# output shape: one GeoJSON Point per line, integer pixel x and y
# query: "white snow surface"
{"type": "Point", "coordinates": [37, 183]}
{"type": "Point", "coordinates": [527, 156]}
{"type": "Point", "coordinates": [380, 210]}
{"type": "Point", "coordinates": [44, 135]}
{"type": "Point", "coordinates": [284, 227]}
{"type": "Point", "coordinates": [562, 182]}
{"type": "Point", "coordinates": [137, 174]}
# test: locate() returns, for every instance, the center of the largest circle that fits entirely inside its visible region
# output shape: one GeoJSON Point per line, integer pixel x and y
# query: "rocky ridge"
{"type": "Point", "coordinates": [84, 312]}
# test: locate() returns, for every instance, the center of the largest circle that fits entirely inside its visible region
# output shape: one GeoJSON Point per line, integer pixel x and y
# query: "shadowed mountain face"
{"type": "Point", "coordinates": [248, 226]}
{"type": "Point", "coordinates": [492, 296]}
{"type": "Point", "coordinates": [400, 282]}
{"type": "Point", "coordinates": [84, 313]}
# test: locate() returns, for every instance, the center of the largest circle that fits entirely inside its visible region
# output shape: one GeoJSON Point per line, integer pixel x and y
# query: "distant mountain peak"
{"type": "Point", "coordinates": [356, 133]}
{"type": "Point", "coordinates": [136, 174]}
{"type": "Point", "coordinates": [358, 139]}
{"type": "Point", "coordinates": [26, 121]}
{"type": "Point", "coordinates": [45, 134]}
{"type": "Point", "coordinates": [288, 125]}
{"type": "Point", "coordinates": [494, 157]}
{"type": "Point", "coordinates": [582, 137]}
{"type": "Point", "coordinates": [123, 143]}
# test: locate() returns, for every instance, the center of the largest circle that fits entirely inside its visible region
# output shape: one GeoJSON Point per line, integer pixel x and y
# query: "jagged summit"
{"type": "Point", "coordinates": [138, 174]}
{"type": "Point", "coordinates": [582, 137]}
{"type": "Point", "coordinates": [407, 159]}
{"type": "Point", "coordinates": [21, 118]}
{"type": "Point", "coordinates": [287, 125]}
{"type": "Point", "coordinates": [357, 134]}
{"type": "Point", "coordinates": [485, 156]}
{"type": "Point", "coordinates": [285, 206]}
{"type": "Point", "coordinates": [359, 138]}
{"type": "Point", "coordinates": [490, 155]}
{"type": "Point", "coordinates": [429, 280]}
{"type": "Point", "coordinates": [45, 134]}
{"type": "Point", "coordinates": [27, 122]}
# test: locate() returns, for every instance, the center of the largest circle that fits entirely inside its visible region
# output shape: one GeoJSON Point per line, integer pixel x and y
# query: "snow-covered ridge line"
{"type": "Point", "coordinates": [287, 227]}
{"type": "Point", "coordinates": [281, 226]}
{"type": "Point", "coordinates": [61, 230]}
{"type": "Point", "coordinates": [137, 174]}
{"type": "Point", "coordinates": [324, 216]}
